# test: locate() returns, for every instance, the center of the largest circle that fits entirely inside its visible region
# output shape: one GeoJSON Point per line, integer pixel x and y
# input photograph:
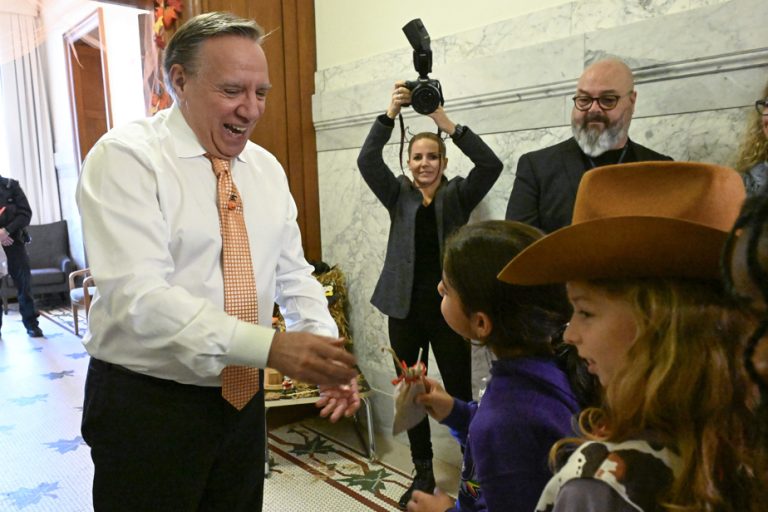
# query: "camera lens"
{"type": "Point", "coordinates": [425, 98]}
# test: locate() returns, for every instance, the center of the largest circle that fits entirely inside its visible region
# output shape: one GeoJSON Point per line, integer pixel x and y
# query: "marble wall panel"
{"type": "Point", "coordinates": [599, 15]}
{"type": "Point", "coordinates": [695, 35]}
{"type": "Point", "coordinates": [531, 72]}
{"type": "Point", "coordinates": [500, 118]}
{"type": "Point", "coordinates": [545, 66]}
{"type": "Point", "coordinates": [549, 24]}
{"type": "Point", "coordinates": [545, 25]}
{"type": "Point", "coordinates": [700, 93]}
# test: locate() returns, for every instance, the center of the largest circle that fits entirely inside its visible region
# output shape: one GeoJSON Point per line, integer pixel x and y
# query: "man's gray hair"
{"type": "Point", "coordinates": [184, 46]}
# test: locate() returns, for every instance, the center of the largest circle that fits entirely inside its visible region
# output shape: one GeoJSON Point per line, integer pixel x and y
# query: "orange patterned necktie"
{"type": "Point", "coordinates": [238, 383]}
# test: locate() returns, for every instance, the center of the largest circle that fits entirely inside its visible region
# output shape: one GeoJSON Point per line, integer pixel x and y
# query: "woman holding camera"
{"type": "Point", "coordinates": [424, 211]}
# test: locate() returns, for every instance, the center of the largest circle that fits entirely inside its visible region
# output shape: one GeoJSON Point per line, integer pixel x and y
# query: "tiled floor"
{"type": "Point", "coordinates": [389, 451]}
{"type": "Point", "coordinates": [44, 464]}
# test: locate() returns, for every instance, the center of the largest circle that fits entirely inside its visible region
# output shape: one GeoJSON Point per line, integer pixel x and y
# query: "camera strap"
{"type": "Point", "coordinates": [402, 140]}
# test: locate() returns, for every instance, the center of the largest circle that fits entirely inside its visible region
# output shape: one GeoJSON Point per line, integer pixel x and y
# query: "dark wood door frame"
{"type": "Point", "coordinates": [88, 79]}
{"type": "Point", "coordinates": [287, 128]}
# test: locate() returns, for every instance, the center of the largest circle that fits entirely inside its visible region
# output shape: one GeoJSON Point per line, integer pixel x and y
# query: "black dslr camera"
{"type": "Point", "coordinates": [426, 94]}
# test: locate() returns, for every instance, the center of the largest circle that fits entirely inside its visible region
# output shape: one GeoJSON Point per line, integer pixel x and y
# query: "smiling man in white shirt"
{"type": "Point", "coordinates": [159, 336]}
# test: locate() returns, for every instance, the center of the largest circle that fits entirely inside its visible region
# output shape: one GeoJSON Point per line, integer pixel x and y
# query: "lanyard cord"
{"type": "Point", "coordinates": [621, 157]}
{"type": "Point", "coordinates": [402, 141]}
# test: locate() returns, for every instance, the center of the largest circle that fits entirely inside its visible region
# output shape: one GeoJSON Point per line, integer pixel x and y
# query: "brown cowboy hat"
{"type": "Point", "coordinates": [645, 219]}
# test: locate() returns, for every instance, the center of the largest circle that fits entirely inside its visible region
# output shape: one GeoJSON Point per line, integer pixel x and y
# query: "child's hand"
{"type": "Point", "coordinates": [423, 502]}
{"type": "Point", "coordinates": [438, 402]}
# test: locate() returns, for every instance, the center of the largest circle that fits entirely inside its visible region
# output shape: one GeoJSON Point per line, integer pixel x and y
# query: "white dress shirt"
{"type": "Point", "coordinates": [147, 198]}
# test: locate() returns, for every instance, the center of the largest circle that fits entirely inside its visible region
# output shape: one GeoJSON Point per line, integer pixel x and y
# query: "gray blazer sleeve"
{"type": "Point", "coordinates": [486, 170]}
{"type": "Point", "coordinates": [375, 172]}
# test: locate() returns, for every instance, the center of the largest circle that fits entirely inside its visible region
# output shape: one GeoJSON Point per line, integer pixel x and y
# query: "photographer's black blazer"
{"type": "Point", "coordinates": [546, 182]}
{"type": "Point", "coordinates": [454, 201]}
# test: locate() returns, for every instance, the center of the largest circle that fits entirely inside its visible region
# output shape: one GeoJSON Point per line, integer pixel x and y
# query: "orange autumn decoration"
{"type": "Point", "coordinates": [167, 13]}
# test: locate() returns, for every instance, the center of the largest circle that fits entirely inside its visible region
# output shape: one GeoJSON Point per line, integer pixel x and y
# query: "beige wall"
{"type": "Point", "coordinates": [28, 7]}
{"type": "Point", "coordinates": [349, 30]}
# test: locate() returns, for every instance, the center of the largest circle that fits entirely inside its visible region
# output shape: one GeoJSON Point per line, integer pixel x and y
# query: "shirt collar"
{"type": "Point", "coordinates": [187, 145]}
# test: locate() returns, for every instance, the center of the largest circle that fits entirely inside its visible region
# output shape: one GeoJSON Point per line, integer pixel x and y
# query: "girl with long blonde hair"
{"type": "Point", "coordinates": [641, 266]}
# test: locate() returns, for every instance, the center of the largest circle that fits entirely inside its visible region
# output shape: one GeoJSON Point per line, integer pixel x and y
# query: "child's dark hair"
{"type": "Point", "coordinates": [528, 320]}
{"type": "Point", "coordinates": [753, 224]}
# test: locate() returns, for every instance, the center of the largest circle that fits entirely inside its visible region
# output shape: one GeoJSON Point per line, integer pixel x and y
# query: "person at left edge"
{"type": "Point", "coordinates": [162, 437]}
{"type": "Point", "coordinates": [14, 217]}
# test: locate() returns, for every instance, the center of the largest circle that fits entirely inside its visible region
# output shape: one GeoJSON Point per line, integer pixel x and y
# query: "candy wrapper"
{"type": "Point", "coordinates": [408, 385]}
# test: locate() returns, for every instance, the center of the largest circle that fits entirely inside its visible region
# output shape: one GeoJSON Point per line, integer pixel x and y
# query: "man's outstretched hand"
{"type": "Point", "coordinates": [311, 358]}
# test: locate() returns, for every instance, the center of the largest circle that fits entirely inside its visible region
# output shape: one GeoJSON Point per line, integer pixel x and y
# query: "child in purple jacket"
{"type": "Point", "coordinates": [529, 402]}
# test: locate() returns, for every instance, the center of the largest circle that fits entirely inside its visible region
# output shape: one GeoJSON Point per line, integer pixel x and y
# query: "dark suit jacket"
{"type": "Point", "coordinates": [16, 212]}
{"type": "Point", "coordinates": [547, 180]}
{"type": "Point", "coordinates": [454, 201]}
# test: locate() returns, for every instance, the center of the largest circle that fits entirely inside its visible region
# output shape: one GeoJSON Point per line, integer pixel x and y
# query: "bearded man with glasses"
{"type": "Point", "coordinates": [546, 180]}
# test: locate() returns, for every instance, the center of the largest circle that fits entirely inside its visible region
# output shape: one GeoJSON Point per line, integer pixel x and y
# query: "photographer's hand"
{"type": "Point", "coordinates": [442, 121]}
{"type": "Point", "coordinates": [401, 95]}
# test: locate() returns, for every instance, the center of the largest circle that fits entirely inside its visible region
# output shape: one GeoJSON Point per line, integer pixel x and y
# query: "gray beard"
{"type": "Point", "coordinates": [594, 142]}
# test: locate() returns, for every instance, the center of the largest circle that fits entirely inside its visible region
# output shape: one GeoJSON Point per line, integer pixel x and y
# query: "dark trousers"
{"type": "Point", "coordinates": [18, 269]}
{"type": "Point", "coordinates": [425, 324]}
{"type": "Point", "coordinates": [159, 446]}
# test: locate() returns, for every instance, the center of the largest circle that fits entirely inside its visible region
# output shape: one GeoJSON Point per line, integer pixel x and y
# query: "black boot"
{"type": "Point", "coordinates": [424, 480]}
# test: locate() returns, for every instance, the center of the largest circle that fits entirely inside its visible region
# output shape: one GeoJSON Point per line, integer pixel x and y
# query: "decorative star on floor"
{"type": "Point", "coordinates": [67, 445]}
{"type": "Point", "coordinates": [25, 496]}
{"type": "Point", "coordinates": [29, 400]}
{"type": "Point", "coordinates": [58, 375]}
{"type": "Point", "coordinates": [312, 445]}
{"type": "Point", "coordinates": [371, 481]}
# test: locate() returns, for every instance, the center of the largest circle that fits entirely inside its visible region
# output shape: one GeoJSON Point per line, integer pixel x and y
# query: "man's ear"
{"type": "Point", "coordinates": [178, 78]}
{"type": "Point", "coordinates": [481, 324]}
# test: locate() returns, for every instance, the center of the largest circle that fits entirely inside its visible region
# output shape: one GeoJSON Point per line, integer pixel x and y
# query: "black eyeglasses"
{"type": "Point", "coordinates": [760, 106]}
{"type": "Point", "coordinates": [606, 102]}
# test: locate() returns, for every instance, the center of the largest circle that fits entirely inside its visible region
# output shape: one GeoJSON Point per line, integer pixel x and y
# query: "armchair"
{"type": "Point", "coordinates": [80, 295]}
{"type": "Point", "coordinates": [49, 262]}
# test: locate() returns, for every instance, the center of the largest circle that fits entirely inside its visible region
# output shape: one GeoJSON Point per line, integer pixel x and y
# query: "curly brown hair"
{"type": "Point", "coordinates": [754, 147]}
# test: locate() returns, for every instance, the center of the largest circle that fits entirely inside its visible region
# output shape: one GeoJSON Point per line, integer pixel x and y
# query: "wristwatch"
{"type": "Point", "coordinates": [459, 132]}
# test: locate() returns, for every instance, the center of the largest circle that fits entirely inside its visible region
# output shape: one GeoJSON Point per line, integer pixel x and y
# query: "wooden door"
{"type": "Point", "coordinates": [286, 129]}
{"type": "Point", "coordinates": [91, 117]}
{"type": "Point", "coordinates": [88, 79]}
